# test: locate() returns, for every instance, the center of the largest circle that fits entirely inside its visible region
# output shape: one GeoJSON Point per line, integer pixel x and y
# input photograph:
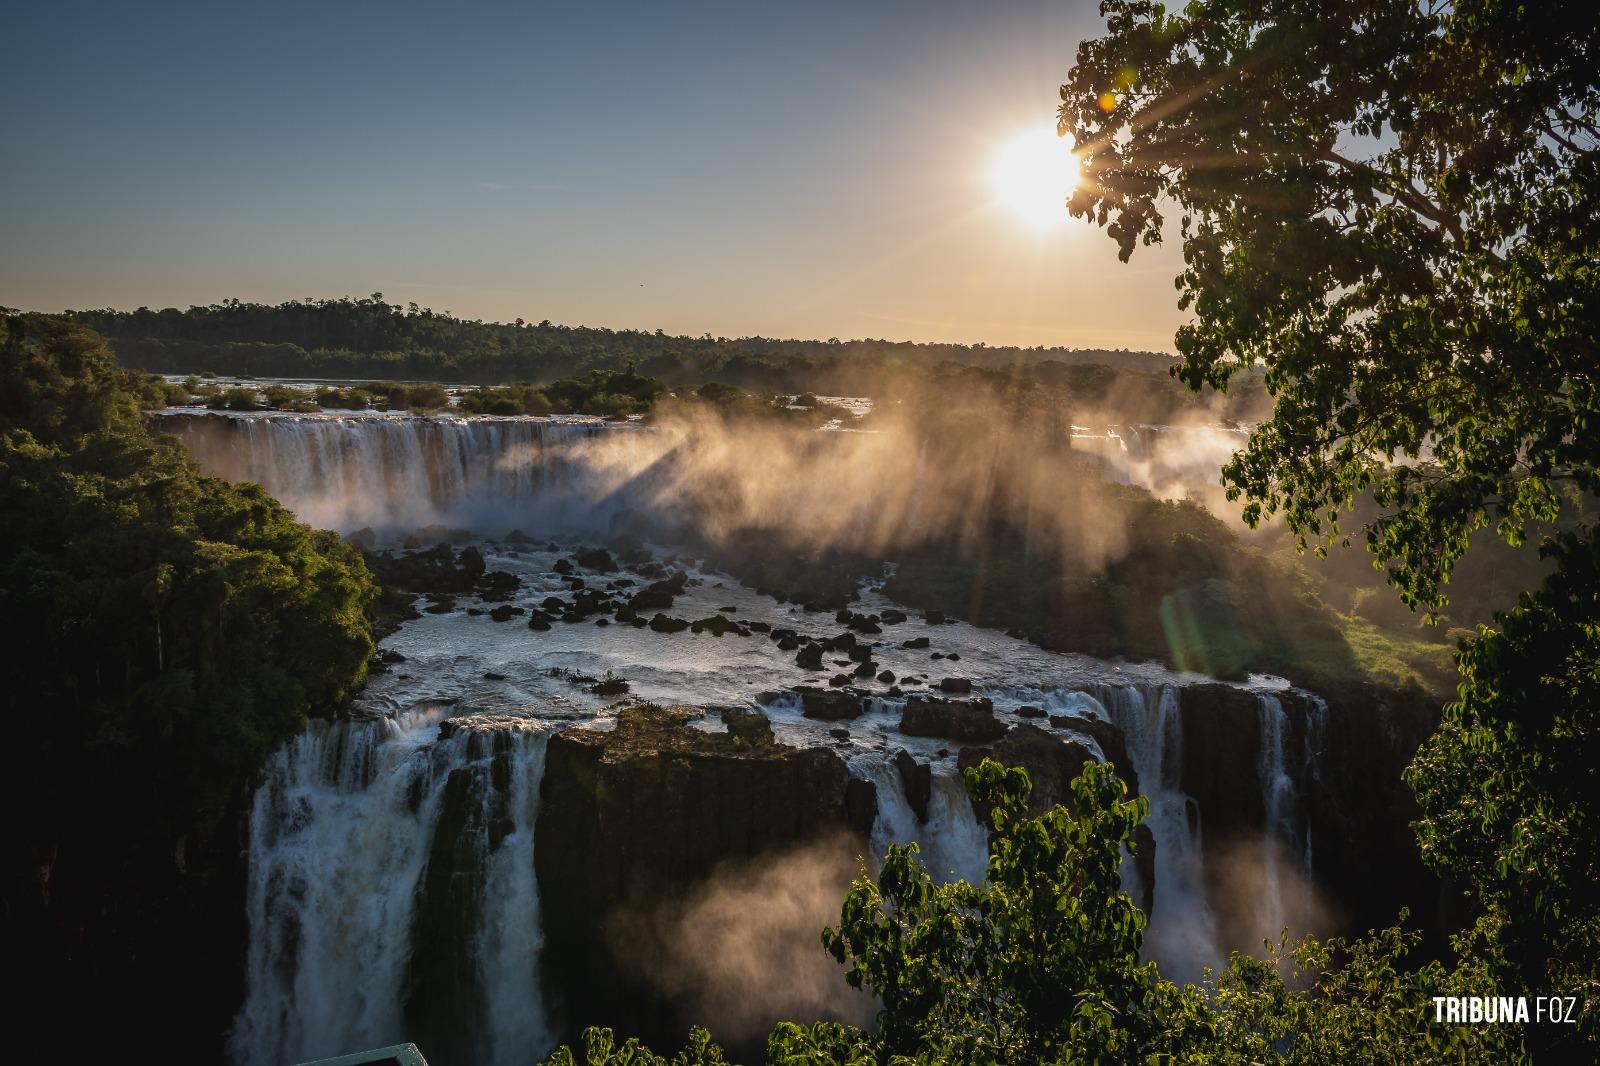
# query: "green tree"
{"type": "Point", "coordinates": [166, 632]}
{"type": "Point", "coordinates": [1394, 208]}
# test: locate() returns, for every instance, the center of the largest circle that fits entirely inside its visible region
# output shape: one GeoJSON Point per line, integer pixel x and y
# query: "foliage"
{"type": "Point", "coordinates": [1395, 210]}
{"type": "Point", "coordinates": [167, 632]}
{"type": "Point", "coordinates": [370, 338]}
{"type": "Point", "coordinates": [1040, 963]}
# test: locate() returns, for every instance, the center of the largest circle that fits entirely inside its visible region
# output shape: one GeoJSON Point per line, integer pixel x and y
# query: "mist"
{"type": "Point", "coordinates": [743, 950]}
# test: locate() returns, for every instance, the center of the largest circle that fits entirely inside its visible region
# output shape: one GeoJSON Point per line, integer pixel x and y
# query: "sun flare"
{"type": "Point", "coordinates": [1034, 174]}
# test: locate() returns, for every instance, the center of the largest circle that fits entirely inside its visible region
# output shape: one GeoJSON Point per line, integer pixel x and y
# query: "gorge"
{"type": "Point", "coordinates": [477, 832]}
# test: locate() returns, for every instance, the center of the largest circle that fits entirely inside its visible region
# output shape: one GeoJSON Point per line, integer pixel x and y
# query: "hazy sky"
{"type": "Point", "coordinates": [788, 170]}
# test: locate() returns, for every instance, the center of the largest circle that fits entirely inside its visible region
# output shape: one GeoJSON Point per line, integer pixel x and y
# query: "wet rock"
{"type": "Point", "coordinates": [1052, 761]}
{"type": "Point", "coordinates": [860, 804]}
{"type": "Point", "coordinates": [391, 656]}
{"type": "Point", "coordinates": [718, 626]}
{"type": "Point", "coordinates": [915, 642]}
{"type": "Point", "coordinates": [1030, 711]}
{"type": "Point", "coordinates": [563, 566]}
{"type": "Point", "coordinates": [839, 733]}
{"type": "Point", "coordinates": [490, 675]}
{"type": "Point", "coordinates": [363, 539]}
{"type": "Point", "coordinates": [892, 617]}
{"type": "Point", "coordinates": [790, 644]}
{"type": "Point", "coordinates": [597, 559]}
{"type": "Point", "coordinates": [952, 656]}
{"type": "Point", "coordinates": [504, 613]}
{"type": "Point", "coordinates": [828, 705]}
{"type": "Point", "coordinates": [916, 779]}
{"type": "Point", "coordinates": [639, 815]}
{"type": "Point", "coordinates": [887, 677]}
{"type": "Point", "coordinates": [934, 618]}
{"type": "Point", "coordinates": [748, 725]}
{"type": "Point", "coordinates": [971, 719]}
{"type": "Point", "coordinates": [554, 604]}
{"type": "Point", "coordinates": [474, 612]}
{"type": "Point", "coordinates": [839, 680]}
{"type": "Point", "coordinates": [663, 624]}
{"type": "Point", "coordinates": [809, 657]}
{"type": "Point", "coordinates": [539, 623]}
{"type": "Point", "coordinates": [865, 669]}
{"type": "Point", "coordinates": [760, 627]}
{"type": "Point", "coordinates": [602, 621]}
{"type": "Point", "coordinates": [860, 654]}
{"type": "Point", "coordinates": [959, 685]}
{"type": "Point", "coordinates": [440, 604]}
{"type": "Point", "coordinates": [519, 538]}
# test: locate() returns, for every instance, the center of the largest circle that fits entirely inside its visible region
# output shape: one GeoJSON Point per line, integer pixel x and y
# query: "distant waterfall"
{"type": "Point", "coordinates": [400, 471]}
{"type": "Point", "coordinates": [370, 842]}
{"type": "Point", "coordinates": [1278, 805]}
{"type": "Point", "coordinates": [1182, 933]}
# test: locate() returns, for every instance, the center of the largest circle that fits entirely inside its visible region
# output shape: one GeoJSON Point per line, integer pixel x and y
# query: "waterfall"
{"type": "Point", "coordinates": [347, 837]}
{"type": "Point", "coordinates": [953, 845]}
{"type": "Point", "coordinates": [402, 471]}
{"type": "Point", "coordinates": [1278, 809]}
{"type": "Point", "coordinates": [1182, 933]}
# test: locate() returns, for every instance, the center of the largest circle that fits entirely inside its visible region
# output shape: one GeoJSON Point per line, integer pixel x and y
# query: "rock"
{"type": "Point", "coordinates": [839, 733]}
{"type": "Point", "coordinates": [626, 614]}
{"type": "Point", "coordinates": [492, 676]}
{"type": "Point", "coordinates": [748, 725]}
{"type": "Point", "coordinates": [863, 624]}
{"type": "Point", "coordinates": [1030, 711]}
{"type": "Point", "coordinates": [440, 604]}
{"type": "Point", "coordinates": [663, 624]}
{"type": "Point", "coordinates": [364, 539]}
{"type": "Point", "coordinates": [866, 669]}
{"type": "Point", "coordinates": [892, 617]}
{"type": "Point", "coordinates": [860, 804]}
{"type": "Point", "coordinates": [1052, 761]}
{"type": "Point", "coordinates": [839, 680]}
{"type": "Point", "coordinates": [861, 653]}
{"type": "Point", "coordinates": [790, 644]}
{"type": "Point", "coordinates": [474, 612]}
{"type": "Point", "coordinates": [916, 779]}
{"type": "Point", "coordinates": [602, 621]}
{"type": "Point", "coordinates": [809, 657]}
{"type": "Point", "coordinates": [887, 677]}
{"type": "Point", "coordinates": [392, 656]}
{"type": "Point", "coordinates": [718, 626]}
{"type": "Point", "coordinates": [539, 623]}
{"type": "Point", "coordinates": [554, 604]}
{"type": "Point", "coordinates": [934, 618]}
{"type": "Point", "coordinates": [503, 613]}
{"type": "Point", "coordinates": [970, 719]}
{"type": "Point", "coordinates": [915, 642]}
{"type": "Point", "coordinates": [937, 655]}
{"type": "Point", "coordinates": [952, 656]}
{"type": "Point", "coordinates": [597, 559]}
{"type": "Point", "coordinates": [760, 627]}
{"type": "Point", "coordinates": [958, 685]}
{"type": "Point", "coordinates": [639, 815]}
{"type": "Point", "coordinates": [518, 537]}
{"type": "Point", "coordinates": [827, 704]}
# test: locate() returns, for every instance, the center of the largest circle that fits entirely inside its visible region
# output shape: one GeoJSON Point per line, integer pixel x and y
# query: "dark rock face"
{"type": "Point", "coordinates": [632, 817]}
{"type": "Point", "coordinates": [1052, 762]}
{"type": "Point", "coordinates": [959, 685]}
{"type": "Point", "coordinates": [597, 559]}
{"type": "Point", "coordinates": [916, 778]}
{"type": "Point", "coordinates": [829, 705]}
{"type": "Point", "coordinates": [970, 719]}
{"type": "Point", "coordinates": [809, 657]}
{"type": "Point", "coordinates": [860, 805]}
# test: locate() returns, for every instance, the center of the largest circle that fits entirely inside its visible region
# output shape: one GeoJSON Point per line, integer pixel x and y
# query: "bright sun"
{"type": "Point", "coordinates": [1034, 174]}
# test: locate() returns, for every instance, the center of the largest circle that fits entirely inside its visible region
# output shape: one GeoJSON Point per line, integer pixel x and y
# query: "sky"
{"type": "Point", "coordinates": [817, 170]}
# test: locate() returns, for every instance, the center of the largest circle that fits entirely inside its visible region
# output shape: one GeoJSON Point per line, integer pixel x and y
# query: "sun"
{"type": "Point", "coordinates": [1034, 175]}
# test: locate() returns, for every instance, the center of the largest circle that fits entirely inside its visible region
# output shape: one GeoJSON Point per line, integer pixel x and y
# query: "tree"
{"type": "Point", "coordinates": [1394, 208]}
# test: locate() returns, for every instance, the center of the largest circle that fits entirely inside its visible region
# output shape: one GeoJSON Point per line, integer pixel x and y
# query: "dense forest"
{"type": "Point", "coordinates": [371, 340]}
{"type": "Point", "coordinates": [166, 632]}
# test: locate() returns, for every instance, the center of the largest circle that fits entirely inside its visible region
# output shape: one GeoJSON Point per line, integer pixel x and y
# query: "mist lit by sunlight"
{"type": "Point", "coordinates": [1034, 175]}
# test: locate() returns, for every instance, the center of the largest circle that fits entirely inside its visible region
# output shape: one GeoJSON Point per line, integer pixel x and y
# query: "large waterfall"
{"type": "Point", "coordinates": [399, 471]}
{"type": "Point", "coordinates": [392, 892]}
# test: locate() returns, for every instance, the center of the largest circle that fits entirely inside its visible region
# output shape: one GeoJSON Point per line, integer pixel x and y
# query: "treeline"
{"type": "Point", "coordinates": [371, 338]}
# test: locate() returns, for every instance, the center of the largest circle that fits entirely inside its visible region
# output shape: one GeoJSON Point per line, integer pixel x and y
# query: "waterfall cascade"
{"type": "Point", "coordinates": [355, 831]}
{"type": "Point", "coordinates": [402, 472]}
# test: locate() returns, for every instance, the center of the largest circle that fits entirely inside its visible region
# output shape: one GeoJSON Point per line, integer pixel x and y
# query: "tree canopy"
{"type": "Point", "coordinates": [1394, 208]}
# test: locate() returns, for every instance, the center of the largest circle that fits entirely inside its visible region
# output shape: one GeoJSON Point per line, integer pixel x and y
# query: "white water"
{"type": "Point", "coordinates": [1182, 933]}
{"type": "Point", "coordinates": [339, 838]}
{"type": "Point", "coordinates": [401, 472]}
{"type": "Point", "coordinates": [337, 849]}
{"type": "Point", "coordinates": [952, 844]}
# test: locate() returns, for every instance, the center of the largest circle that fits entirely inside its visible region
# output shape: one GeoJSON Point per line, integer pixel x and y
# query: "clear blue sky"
{"type": "Point", "coordinates": [795, 170]}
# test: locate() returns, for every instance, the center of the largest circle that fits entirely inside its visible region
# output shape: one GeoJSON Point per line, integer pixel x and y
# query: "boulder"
{"type": "Point", "coordinates": [809, 657]}
{"type": "Point", "coordinates": [971, 719]}
{"type": "Point", "coordinates": [915, 642]}
{"type": "Point", "coordinates": [748, 725]}
{"type": "Point", "coordinates": [597, 559]}
{"type": "Point", "coordinates": [957, 685]}
{"type": "Point", "coordinates": [828, 704]}
{"type": "Point", "coordinates": [916, 780]}
{"type": "Point", "coordinates": [663, 624]}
